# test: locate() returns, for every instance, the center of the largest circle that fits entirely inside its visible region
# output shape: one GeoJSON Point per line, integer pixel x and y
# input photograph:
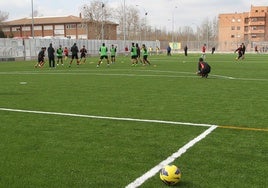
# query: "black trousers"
{"type": "Point", "coordinates": [51, 61]}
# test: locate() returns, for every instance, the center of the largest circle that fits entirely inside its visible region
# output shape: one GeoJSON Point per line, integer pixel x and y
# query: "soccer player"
{"type": "Point", "coordinates": [103, 54]}
{"type": "Point", "coordinates": [66, 53]}
{"type": "Point", "coordinates": [133, 52]}
{"type": "Point", "coordinates": [204, 47]}
{"type": "Point", "coordinates": [185, 50]}
{"type": "Point", "coordinates": [113, 53]}
{"type": "Point", "coordinates": [145, 55]}
{"type": "Point", "coordinates": [203, 68]}
{"type": "Point", "coordinates": [59, 53]}
{"type": "Point", "coordinates": [240, 52]}
{"type": "Point", "coordinates": [74, 50]}
{"type": "Point", "coordinates": [51, 56]}
{"type": "Point", "coordinates": [213, 50]}
{"type": "Point", "coordinates": [168, 51]}
{"type": "Point", "coordinates": [243, 50]}
{"type": "Point", "coordinates": [138, 53]}
{"type": "Point", "coordinates": [83, 52]}
{"type": "Point", "coordinates": [41, 56]}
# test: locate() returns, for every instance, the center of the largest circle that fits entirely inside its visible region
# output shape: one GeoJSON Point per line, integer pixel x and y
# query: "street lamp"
{"type": "Point", "coordinates": [102, 30]}
{"type": "Point", "coordinates": [32, 20]}
{"type": "Point", "coordinates": [145, 23]}
{"type": "Point", "coordinates": [173, 23]}
{"type": "Point", "coordinates": [124, 23]}
{"type": "Point", "coordinates": [197, 32]}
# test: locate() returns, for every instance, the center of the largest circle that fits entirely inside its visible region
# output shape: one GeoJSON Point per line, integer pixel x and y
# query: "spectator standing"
{"type": "Point", "coordinates": [51, 56]}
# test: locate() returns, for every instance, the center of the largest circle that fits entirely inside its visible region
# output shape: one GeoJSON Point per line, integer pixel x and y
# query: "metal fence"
{"type": "Point", "coordinates": [27, 49]}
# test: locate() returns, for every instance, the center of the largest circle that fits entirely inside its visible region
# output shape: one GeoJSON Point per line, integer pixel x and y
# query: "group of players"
{"type": "Point", "coordinates": [103, 51]}
{"type": "Point", "coordinates": [60, 53]}
{"type": "Point", "coordinates": [203, 67]}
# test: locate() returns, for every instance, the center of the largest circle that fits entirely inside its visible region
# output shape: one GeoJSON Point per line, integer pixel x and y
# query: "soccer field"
{"type": "Point", "coordinates": [117, 126]}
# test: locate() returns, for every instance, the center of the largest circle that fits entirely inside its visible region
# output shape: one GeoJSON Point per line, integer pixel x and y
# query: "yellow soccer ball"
{"type": "Point", "coordinates": [170, 174]}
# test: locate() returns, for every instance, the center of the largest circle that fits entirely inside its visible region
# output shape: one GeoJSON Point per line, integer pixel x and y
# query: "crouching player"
{"type": "Point", "coordinates": [203, 68]}
{"type": "Point", "coordinates": [41, 58]}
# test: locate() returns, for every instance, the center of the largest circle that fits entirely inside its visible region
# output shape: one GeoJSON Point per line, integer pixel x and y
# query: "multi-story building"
{"type": "Point", "coordinates": [250, 28]}
{"type": "Point", "coordinates": [60, 27]}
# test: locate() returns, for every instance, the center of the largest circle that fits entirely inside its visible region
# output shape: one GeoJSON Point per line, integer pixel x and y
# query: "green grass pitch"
{"type": "Point", "coordinates": [57, 150]}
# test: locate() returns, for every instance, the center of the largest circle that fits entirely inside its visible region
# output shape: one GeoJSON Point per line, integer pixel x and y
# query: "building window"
{"type": "Point", "coordinates": [232, 27]}
{"type": "Point", "coordinates": [232, 36]}
{"type": "Point", "coordinates": [238, 20]}
{"type": "Point", "coordinates": [71, 26]}
{"type": "Point", "coordinates": [60, 27]}
{"type": "Point", "coordinates": [6, 29]}
{"type": "Point", "coordinates": [238, 28]}
{"type": "Point", "coordinates": [15, 28]}
{"type": "Point", "coordinates": [233, 20]}
{"type": "Point", "coordinates": [26, 28]}
{"type": "Point", "coordinates": [254, 19]}
{"type": "Point", "coordinates": [48, 27]}
{"type": "Point", "coordinates": [38, 28]}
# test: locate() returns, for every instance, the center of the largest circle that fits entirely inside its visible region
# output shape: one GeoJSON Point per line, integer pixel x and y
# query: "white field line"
{"type": "Point", "coordinates": [153, 171]}
{"type": "Point", "coordinates": [105, 117]}
{"type": "Point", "coordinates": [168, 75]}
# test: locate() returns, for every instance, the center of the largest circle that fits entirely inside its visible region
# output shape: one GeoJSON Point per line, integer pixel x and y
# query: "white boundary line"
{"type": "Point", "coordinates": [158, 167]}
{"type": "Point", "coordinates": [105, 117]}
{"type": "Point", "coordinates": [191, 75]}
{"type": "Point", "coordinates": [153, 171]}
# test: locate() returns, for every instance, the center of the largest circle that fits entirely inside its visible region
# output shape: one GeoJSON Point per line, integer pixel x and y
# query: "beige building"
{"type": "Point", "coordinates": [60, 27]}
{"type": "Point", "coordinates": [250, 28]}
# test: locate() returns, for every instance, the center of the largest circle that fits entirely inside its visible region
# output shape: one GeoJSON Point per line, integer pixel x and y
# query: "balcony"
{"type": "Point", "coordinates": [256, 23]}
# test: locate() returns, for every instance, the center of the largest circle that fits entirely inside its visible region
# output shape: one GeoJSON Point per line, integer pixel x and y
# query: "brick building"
{"type": "Point", "coordinates": [60, 27]}
{"type": "Point", "coordinates": [248, 27]}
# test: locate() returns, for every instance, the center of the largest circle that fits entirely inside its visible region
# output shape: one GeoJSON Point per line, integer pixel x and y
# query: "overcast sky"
{"type": "Point", "coordinates": [160, 12]}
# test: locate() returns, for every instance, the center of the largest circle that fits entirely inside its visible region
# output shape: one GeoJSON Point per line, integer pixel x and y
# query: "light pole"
{"type": "Point", "coordinates": [102, 29]}
{"type": "Point", "coordinates": [173, 20]}
{"type": "Point", "coordinates": [145, 23]}
{"type": "Point", "coordinates": [124, 22]}
{"type": "Point", "coordinates": [197, 32]}
{"type": "Point", "coordinates": [32, 20]}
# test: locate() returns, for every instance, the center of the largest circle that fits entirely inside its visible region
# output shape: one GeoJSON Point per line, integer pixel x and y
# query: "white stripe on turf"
{"type": "Point", "coordinates": [139, 181]}
{"type": "Point", "coordinates": [105, 117]}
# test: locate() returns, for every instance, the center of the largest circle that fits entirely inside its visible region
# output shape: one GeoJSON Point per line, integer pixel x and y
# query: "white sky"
{"type": "Point", "coordinates": [160, 12]}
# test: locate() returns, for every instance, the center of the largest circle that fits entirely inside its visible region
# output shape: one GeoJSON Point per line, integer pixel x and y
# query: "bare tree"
{"type": "Point", "coordinates": [97, 13]}
{"type": "Point", "coordinates": [36, 14]}
{"type": "Point", "coordinates": [132, 26]}
{"type": "Point", "coordinates": [3, 17]}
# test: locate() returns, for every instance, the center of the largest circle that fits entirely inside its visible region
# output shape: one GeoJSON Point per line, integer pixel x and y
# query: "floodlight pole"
{"type": "Point", "coordinates": [32, 20]}
{"type": "Point", "coordinates": [173, 23]}
{"type": "Point", "coordinates": [102, 29]}
{"type": "Point", "coordinates": [124, 22]}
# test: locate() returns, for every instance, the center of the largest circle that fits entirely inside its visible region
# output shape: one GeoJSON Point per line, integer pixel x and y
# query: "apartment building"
{"type": "Point", "coordinates": [60, 27]}
{"type": "Point", "coordinates": [250, 28]}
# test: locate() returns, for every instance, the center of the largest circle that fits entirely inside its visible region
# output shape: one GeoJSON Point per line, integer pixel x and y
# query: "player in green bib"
{"type": "Point", "coordinates": [145, 55]}
{"type": "Point", "coordinates": [103, 54]}
{"type": "Point", "coordinates": [133, 52]}
{"type": "Point", "coordinates": [59, 53]}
